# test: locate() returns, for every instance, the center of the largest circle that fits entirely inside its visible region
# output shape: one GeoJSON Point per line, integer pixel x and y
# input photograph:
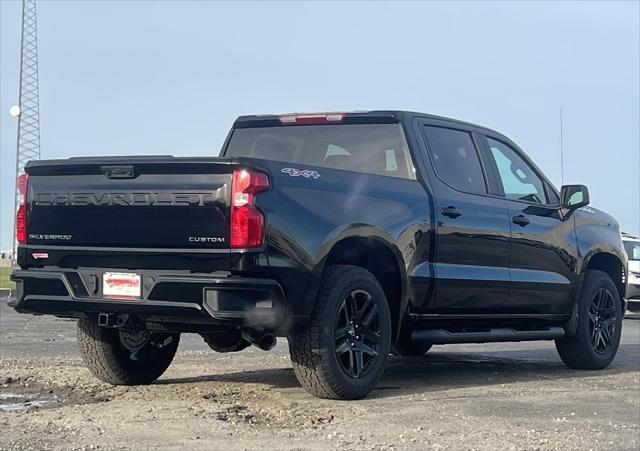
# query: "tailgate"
{"type": "Point", "coordinates": [134, 203]}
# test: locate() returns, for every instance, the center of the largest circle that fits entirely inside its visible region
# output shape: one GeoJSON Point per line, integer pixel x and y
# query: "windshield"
{"type": "Point", "coordinates": [369, 148]}
{"type": "Point", "coordinates": [633, 249]}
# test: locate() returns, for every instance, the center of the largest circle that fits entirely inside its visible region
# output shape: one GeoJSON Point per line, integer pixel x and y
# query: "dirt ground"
{"type": "Point", "coordinates": [500, 396]}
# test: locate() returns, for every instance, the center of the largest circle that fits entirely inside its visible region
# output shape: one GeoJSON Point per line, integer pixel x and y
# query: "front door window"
{"type": "Point", "coordinates": [518, 179]}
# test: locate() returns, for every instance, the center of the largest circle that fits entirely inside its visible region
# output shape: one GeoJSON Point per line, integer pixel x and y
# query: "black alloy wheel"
{"type": "Point", "coordinates": [594, 337]}
{"type": "Point", "coordinates": [342, 352]}
{"type": "Point", "coordinates": [602, 320]}
{"type": "Point", "coordinates": [357, 334]}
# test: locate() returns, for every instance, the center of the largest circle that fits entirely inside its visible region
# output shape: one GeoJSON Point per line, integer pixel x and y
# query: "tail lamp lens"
{"type": "Point", "coordinates": [247, 222]}
{"type": "Point", "coordinates": [21, 214]}
{"type": "Point", "coordinates": [311, 119]}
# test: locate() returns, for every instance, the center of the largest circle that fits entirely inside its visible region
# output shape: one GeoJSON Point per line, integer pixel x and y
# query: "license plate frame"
{"type": "Point", "coordinates": [122, 285]}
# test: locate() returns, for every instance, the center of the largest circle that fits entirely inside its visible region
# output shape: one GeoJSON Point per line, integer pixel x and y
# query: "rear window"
{"type": "Point", "coordinates": [369, 148]}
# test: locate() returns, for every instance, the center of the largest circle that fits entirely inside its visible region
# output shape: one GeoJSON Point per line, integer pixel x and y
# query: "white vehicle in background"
{"type": "Point", "coordinates": [632, 247]}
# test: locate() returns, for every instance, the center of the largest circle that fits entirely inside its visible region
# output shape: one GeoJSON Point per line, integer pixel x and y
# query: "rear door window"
{"type": "Point", "coordinates": [378, 149]}
{"type": "Point", "coordinates": [455, 159]}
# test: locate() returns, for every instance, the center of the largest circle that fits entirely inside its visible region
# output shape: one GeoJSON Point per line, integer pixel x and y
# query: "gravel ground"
{"type": "Point", "coordinates": [498, 396]}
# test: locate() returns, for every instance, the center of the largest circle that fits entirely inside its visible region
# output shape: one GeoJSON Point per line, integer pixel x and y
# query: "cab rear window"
{"type": "Point", "coordinates": [368, 148]}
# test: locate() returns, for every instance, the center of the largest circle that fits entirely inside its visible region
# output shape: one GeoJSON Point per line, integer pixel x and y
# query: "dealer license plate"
{"type": "Point", "coordinates": [121, 285]}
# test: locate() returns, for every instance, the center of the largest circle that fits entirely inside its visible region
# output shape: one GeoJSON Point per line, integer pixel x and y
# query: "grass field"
{"type": "Point", "coordinates": [5, 269]}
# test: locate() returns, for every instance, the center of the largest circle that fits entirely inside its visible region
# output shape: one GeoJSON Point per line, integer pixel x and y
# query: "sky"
{"type": "Point", "coordinates": [151, 77]}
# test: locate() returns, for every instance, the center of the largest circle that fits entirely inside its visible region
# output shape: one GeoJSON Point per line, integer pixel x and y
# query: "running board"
{"type": "Point", "coordinates": [443, 336]}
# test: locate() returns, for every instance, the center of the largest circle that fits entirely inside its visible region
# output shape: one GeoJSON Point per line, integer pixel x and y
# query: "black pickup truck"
{"type": "Point", "coordinates": [354, 235]}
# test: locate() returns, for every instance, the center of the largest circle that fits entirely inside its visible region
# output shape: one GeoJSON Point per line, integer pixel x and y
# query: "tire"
{"type": "Point", "coordinates": [597, 337]}
{"type": "Point", "coordinates": [125, 358]}
{"type": "Point", "coordinates": [406, 348]}
{"type": "Point", "coordinates": [337, 359]}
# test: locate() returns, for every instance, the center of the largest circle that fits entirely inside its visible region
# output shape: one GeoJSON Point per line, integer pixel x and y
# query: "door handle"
{"type": "Point", "coordinates": [520, 220]}
{"type": "Point", "coordinates": [451, 212]}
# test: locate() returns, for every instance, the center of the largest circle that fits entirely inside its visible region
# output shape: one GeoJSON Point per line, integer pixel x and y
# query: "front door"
{"type": "Point", "coordinates": [543, 250]}
{"type": "Point", "coordinates": [472, 250]}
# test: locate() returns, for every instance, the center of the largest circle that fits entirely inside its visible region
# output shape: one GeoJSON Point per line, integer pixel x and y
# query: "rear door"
{"type": "Point", "coordinates": [543, 250]}
{"type": "Point", "coordinates": [473, 230]}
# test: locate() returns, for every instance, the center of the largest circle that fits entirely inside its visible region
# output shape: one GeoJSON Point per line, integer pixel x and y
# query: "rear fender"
{"type": "Point", "coordinates": [364, 232]}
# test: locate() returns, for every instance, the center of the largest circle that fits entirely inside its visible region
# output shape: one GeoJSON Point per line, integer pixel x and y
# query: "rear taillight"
{"type": "Point", "coordinates": [21, 215]}
{"type": "Point", "coordinates": [247, 222]}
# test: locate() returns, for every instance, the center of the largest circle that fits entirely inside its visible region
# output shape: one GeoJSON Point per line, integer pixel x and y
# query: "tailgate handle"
{"type": "Point", "coordinates": [118, 172]}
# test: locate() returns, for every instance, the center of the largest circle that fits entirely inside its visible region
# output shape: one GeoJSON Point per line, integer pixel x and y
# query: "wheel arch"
{"type": "Point", "coordinates": [610, 264]}
{"type": "Point", "coordinates": [379, 256]}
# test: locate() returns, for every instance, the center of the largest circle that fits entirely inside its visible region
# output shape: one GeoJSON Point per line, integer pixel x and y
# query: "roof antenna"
{"type": "Point", "coordinates": [561, 151]}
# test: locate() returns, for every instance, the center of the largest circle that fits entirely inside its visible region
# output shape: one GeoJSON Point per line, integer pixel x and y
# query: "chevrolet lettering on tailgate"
{"type": "Point", "coordinates": [125, 199]}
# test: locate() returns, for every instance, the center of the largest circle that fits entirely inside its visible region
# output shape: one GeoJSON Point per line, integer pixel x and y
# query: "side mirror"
{"type": "Point", "coordinates": [574, 196]}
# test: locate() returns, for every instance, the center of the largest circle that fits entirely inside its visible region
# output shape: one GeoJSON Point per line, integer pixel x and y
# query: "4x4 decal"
{"type": "Point", "coordinates": [301, 173]}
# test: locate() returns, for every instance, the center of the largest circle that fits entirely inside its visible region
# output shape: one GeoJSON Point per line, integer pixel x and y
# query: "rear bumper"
{"type": "Point", "coordinates": [182, 298]}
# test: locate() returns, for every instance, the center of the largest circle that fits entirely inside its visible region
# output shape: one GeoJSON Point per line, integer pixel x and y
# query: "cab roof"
{"type": "Point", "coordinates": [348, 117]}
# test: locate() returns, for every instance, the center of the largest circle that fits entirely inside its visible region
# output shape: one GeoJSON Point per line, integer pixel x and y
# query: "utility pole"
{"type": "Point", "coordinates": [28, 110]}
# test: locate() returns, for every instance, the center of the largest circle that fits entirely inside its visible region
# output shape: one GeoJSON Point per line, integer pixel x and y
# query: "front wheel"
{"type": "Point", "coordinates": [121, 357]}
{"type": "Point", "coordinates": [343, 352]}
{"type": "Point", "coordinates": [597, 337]}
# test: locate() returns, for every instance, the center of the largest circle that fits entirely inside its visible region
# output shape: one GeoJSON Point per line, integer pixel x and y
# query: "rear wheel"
{"type": "Point", "coordinates": [121, 357]}
{"type": "Point", "coordinates": [343, 352]}
{"type": "Point", "coordinates": [597, 337]}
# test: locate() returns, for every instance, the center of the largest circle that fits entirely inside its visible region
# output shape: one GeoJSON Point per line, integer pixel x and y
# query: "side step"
{"type": "Point", "coordinates": [443, 336]}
